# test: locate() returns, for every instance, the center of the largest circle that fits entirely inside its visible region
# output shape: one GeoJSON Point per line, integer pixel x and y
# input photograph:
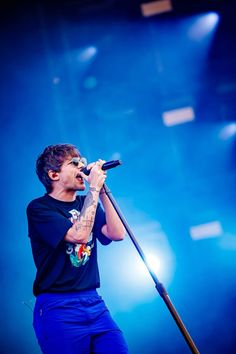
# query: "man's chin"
{"type": "Point", "coordinates": [81, 188]}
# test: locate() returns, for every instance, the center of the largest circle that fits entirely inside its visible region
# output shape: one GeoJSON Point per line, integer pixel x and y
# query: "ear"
{"type": "Point", "coordinates": [53, 175]}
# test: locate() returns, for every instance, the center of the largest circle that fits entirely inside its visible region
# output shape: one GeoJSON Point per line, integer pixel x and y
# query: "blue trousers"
{"type": "Point", "coordinates": [76, 323]}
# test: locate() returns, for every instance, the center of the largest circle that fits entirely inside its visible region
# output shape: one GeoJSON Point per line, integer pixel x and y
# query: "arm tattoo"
{"type": "Point", "coordinates": [88, 212]}
{"type": "Point", "coordinates": [89, 201]}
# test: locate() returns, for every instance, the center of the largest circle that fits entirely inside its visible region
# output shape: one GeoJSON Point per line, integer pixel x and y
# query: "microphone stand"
{"type": "Point", "coordinates": [159, 286]}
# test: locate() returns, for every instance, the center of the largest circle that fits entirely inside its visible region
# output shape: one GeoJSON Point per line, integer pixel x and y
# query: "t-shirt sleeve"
{"type": "Point", "coordinates": [46, 224]}
{"type": "Point", "coordinates": [100, 220]}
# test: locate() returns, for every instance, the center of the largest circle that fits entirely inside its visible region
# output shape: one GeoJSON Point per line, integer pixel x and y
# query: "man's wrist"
{"type": "Point", "coordinates": [94, 189]}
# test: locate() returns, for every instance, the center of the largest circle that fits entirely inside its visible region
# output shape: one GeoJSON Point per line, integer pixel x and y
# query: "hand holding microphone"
{"type": "Point", "coordinates": [95, 176]}
{"type": "Point", "coordinates": [94, 173]}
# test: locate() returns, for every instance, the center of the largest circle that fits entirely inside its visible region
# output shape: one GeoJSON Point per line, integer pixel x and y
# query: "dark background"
{"type": "Point", "coordinates": [99, 75]}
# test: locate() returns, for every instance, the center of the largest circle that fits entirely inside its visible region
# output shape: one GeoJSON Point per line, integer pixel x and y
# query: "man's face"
{"type": "Point", "coordinates": [69, 176]}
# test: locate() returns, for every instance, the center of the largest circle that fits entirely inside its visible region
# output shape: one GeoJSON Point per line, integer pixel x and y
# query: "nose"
{"type": "Point", "coordinates": [81, 166]}
{"type": "Point", "coordinates": [83, 162]}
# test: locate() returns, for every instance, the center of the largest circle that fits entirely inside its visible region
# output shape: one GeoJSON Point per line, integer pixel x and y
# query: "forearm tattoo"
{"type": "Point", "coordinates": [87, 215]}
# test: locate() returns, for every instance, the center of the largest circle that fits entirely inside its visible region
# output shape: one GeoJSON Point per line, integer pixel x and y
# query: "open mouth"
{"type": "Point", "coordinates": [79, 177]}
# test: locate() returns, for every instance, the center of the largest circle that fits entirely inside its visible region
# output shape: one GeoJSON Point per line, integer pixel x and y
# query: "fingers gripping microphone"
{"type": "Point", "coordinates": [106, 166]}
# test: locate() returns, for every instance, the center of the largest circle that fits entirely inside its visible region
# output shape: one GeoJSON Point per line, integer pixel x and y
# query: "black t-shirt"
{"type": "Point", "coordinates": [62, 266]}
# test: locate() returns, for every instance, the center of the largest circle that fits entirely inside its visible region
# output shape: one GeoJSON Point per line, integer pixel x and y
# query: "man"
{"type": "Point", "coordinates": [69, 316]}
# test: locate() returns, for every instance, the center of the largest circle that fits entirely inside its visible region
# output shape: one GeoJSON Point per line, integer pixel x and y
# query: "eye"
{"type": "Point", "coordinates": [75, 161]}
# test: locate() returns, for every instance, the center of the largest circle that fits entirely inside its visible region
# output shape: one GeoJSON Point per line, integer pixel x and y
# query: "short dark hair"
{"type": "Point", "coordinates": [52, 158]}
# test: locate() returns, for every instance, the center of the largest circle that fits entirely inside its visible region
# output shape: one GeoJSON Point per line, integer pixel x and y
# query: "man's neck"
{"type": "Point", "coordinates": [64, 196]}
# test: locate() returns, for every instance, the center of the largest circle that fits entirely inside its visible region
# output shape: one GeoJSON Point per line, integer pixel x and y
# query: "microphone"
{"type": "Point", "coordinates": [106, 166]}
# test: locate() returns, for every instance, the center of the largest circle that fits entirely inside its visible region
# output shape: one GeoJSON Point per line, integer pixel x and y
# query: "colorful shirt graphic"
{"type": "Point", "coordinates": [79, 253]}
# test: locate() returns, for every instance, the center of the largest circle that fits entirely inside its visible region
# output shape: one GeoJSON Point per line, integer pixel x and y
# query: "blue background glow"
{"type": "Point", "coordinates": [100, 77]}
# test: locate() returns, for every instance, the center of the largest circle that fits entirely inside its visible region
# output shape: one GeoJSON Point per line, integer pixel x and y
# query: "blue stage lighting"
{"type": "Point", "coordinates": [204, 25]}
{"type": "Point", "coordinates": [87, 54]}
{"type": "Point", "coordinates": [153, 262]}
{"type": "Point", "coordinates": [228, 131]}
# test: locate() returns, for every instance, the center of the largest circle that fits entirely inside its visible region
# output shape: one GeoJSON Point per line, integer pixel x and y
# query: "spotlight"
{"type": "Point", "coordinates": [228, 131]}
{"type": "Point", "coordinates": [87, 54]}
{"type": "Point", "coordinates": [178, 116]}
{"type": "Point", "coordinates": [208, 230]}
{"type": "Point", "coordinates": [153, 262]}
{"type": "Point", "coordinates": [204, 25]}
{"type": "Point", "coordinates": [156, 7]}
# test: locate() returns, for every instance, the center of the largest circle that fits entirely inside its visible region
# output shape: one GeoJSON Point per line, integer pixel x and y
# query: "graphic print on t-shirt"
{"type": "Point", "coordinates": [79, 253]}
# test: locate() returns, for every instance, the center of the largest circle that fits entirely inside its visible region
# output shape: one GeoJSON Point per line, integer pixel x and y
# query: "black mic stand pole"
{"type": "Point", "coordinates": [160, 288]}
